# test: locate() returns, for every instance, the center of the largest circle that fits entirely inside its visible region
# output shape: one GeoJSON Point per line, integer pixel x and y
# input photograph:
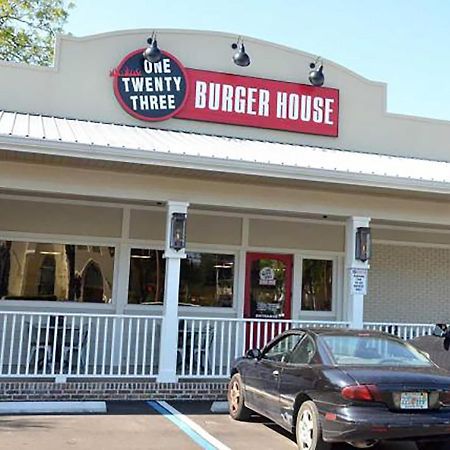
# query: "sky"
{"type": "Point", "coordinates": [405, 43]}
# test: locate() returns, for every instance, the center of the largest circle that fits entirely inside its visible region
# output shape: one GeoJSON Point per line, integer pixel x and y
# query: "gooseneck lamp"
{"type": "Point", "coordinates": [240, 58]}
{"type": "Point", "coordinates": [316, 76]}
{"type": "Point", "coordinates": [152, 53]}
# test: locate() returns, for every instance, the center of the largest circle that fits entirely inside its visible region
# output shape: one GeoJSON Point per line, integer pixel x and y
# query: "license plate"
{"type": "Point", "coordinates": [414, 400]}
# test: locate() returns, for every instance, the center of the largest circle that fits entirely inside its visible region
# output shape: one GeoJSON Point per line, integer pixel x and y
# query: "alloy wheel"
{"type": "Point", "coordinates": [235, 396]}
{"type": "Point", "coordinates": [306, 430]}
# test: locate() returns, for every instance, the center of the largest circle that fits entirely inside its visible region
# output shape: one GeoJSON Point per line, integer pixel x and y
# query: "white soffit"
{"type": "Point", "coordinates": [76, 138]}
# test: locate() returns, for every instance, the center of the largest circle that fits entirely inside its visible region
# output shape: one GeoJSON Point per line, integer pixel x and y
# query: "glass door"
{"type": "Point", "coordinates": [268, 286]}
{"type": "Point", "coordinates": [267, 296]}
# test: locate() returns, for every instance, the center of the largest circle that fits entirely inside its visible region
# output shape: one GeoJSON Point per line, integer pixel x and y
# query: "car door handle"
{"type": "Point", "coordinates": [276, 373]}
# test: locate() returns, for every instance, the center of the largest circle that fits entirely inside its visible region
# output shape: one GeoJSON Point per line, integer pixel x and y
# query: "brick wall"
{"type": "Point", "coordinates": [112, 390]}
{"type": "Point", "coordinates": [408, 284]}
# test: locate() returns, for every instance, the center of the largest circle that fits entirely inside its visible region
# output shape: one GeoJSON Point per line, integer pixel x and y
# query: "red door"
{"type": "Point", "coordinates": [268, 286]}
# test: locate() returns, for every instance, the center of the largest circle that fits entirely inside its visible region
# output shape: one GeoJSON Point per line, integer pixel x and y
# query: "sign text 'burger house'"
{"type": "Point", "coordinates": [159, 91]}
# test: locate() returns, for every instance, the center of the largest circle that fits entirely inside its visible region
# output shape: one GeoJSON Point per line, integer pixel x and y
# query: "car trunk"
{"type": "Point", "coordinates": [400, 388]}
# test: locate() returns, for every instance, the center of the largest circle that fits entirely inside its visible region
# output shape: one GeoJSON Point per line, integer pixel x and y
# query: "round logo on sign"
{"type": "Point", "coordinates": [267, 277]}
{"type": "Point", "coordinates": [150, 91]}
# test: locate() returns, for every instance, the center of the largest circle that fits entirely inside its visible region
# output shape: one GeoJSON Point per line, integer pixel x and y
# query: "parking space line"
{"type": "Point", "coordinates": [193, 430]}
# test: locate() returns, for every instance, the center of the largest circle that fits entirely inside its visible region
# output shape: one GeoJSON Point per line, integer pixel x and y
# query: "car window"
{"type": "Point", "coordinates": [374, 351]}
{"type": "Point", "coordinates": [280, 349]}
{"type": "Point", "coordinates": [303, 353]}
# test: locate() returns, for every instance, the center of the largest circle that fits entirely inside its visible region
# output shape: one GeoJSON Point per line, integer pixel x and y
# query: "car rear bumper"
{"type": "Point", "coordinates": [356, 423]}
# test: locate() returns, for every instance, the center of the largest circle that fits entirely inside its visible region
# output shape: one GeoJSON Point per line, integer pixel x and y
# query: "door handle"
{"type": "Point", "coordinates": [276, 373]}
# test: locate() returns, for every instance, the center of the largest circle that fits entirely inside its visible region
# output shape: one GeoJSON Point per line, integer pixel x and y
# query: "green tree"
{"type": "Point", "coordinates": [28, 28]}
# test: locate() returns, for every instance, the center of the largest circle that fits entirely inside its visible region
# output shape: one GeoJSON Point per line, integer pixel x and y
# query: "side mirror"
{"type": "Point", "coordinates": [253, 353]}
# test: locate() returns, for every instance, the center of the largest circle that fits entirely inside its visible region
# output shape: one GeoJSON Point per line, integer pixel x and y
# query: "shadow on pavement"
{"type": "Point", "coordinates": [21, 423]}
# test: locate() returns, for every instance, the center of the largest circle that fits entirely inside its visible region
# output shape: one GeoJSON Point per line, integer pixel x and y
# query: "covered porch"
{"type": "Point", "coordinates": [92, 288]}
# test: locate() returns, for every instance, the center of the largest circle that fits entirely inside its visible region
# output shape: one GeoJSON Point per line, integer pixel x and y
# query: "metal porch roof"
{"type": "Point", "coordinates": [111, 142]}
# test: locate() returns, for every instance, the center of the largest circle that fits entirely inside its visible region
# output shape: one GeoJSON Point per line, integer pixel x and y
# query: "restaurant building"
{"type": "Point", "coordinates": [162, 212]}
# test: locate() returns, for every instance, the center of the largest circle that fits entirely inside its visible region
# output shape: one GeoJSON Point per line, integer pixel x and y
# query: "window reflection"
{"type": "Point", "coordinates": [206, 279]}
{"type": "Point", "coordinates": [146, 282]}
{"type": "Point", "coordinates": [317, 285]}
{"type": "Point", "coordinates": [56, 272]}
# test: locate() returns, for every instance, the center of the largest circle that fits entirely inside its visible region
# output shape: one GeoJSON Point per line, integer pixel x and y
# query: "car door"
{"type": "Point", "coordinates": [298, 375]}
{"type": "Point", "coordinates": [267, 374]}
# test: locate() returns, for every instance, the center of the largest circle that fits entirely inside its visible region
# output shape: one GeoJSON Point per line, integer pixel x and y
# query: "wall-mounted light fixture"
{"type": "Point", "coordinates": [152, 53]}
{"type": "Point", "coordinates": [363, 244]}
{"type": "Point", "coordinates": [316, 76]}
{"type": "Point", "coordinates": [240, 58]}
{"type": "Point", "coordinates": [178, 231]}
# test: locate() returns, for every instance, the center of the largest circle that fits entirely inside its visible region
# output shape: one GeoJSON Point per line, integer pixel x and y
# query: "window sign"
{"type": "Point", "coordinates": [267, 277]}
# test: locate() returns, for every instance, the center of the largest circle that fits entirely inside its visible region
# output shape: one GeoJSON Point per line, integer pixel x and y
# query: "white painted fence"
{"type": "Point", "coordinates": [402, 330]}
{"type": "Point", "coordinates": [71, 345]}
{"type": "Point", "coordinates": [206, 346]}
{"type": "Point", "coordinates": [78, 345]}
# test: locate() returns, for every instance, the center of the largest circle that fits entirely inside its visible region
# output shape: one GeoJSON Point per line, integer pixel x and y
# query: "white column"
{"type": "Point", "coordinates": [169, 329]}
{"type": "Point", "coordinates": [122, 265]}
{"type": "Point", "coordinates": [354, 301]}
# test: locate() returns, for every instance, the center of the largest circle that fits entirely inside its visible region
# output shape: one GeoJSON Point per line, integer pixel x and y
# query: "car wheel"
{"type": "Point", "coordinates": [308, 429]}
{"type": "Point", "coordinates": [236, 404]}
{"type": "Point", "coordinates": [433, 445]}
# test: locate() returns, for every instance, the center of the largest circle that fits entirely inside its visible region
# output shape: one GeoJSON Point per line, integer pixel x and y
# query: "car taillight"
{"type": "Point", "coordinates": [362, 392]}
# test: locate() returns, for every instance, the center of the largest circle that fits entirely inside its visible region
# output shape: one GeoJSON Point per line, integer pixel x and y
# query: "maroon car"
{"type": "Point", "coordinates": [328, 386]}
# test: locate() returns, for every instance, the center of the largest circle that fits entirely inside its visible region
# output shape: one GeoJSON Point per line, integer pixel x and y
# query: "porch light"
{"type": "Point", "coordinates": [363, 244]}
{"type": "Point", "coordinates": [316, 76]}
{"type": "Point", "coordinates": [240, 58]}
{"type": "Point", "coordinates": [178, 231]}
{"type": "Point", "coordinates": [152, 53]}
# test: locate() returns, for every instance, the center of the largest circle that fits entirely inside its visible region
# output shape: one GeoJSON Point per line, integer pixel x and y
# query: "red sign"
{"type": "Point", "coordinates": [257, 102]}
{"type": "Point", "coordinates": [158, 91]}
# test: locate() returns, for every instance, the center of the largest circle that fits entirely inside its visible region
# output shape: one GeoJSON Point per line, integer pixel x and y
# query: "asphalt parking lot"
{"type": "Point", "coordinates": [138, 426]}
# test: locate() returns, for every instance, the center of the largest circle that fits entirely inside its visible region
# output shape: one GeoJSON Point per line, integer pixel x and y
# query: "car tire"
{"type": "Point", "coordinates": [236, 402]}
{"type": "Point", "coordinates": [308, 429]}
{"type": "Point", "coordinates": [433, 445]}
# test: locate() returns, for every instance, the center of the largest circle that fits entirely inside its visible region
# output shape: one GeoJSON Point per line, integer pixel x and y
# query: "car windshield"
{"type": "Point", "coordinates": [369, 350]}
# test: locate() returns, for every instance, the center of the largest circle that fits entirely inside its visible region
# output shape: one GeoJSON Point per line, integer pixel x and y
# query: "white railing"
{"type": "Point", "coordinates": [402, 330]}
{"type": "Point", "coordinates": [71, 345]}
{"type": "Point", "coordinates": [206, 347]}
{"type": "Point", "coordinates": [78, 345]}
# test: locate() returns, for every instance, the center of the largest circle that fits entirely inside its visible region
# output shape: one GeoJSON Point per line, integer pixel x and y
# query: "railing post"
{"type": "Point", "coordinates": [169, 328]}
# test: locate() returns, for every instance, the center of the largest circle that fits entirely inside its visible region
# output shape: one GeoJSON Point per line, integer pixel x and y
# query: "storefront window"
{"type": "Point", "coordinates": [317, 285]}
{"type": "Point", "coordinates": [206, 279]}
{"type": "Point", "coordinates": [56, 272]}
{"type": "Point", "coordinates": [146, 282]}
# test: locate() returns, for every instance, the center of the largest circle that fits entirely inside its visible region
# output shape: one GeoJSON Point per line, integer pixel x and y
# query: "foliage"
{"type": "Point", "coordinates": [28, 28]}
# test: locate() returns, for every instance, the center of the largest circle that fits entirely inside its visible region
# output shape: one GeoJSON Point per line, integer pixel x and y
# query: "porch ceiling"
{"type": "Point", "coordinates": [100, 145]}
